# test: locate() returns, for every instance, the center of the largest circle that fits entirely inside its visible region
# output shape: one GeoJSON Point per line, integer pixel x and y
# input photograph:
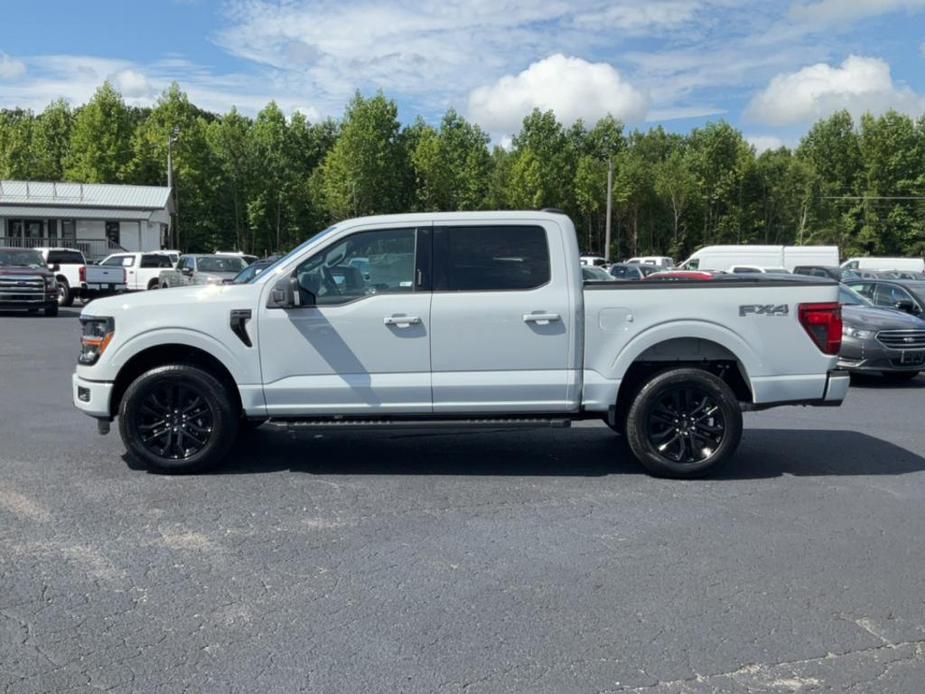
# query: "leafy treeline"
{"type": "Point", "coordinates": [266, 183]}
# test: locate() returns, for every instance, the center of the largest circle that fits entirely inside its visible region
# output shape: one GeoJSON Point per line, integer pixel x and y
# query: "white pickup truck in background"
{"type": "Point", "coordinates": [78, 280]}
{"type": "Point", "coordinates": [456, 320]}
{"type": "Point", "coordinates": [141, 269]}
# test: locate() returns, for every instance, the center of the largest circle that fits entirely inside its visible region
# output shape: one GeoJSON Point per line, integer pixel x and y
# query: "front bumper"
{"type": "Point", "coordinates": [91, 397]}
{"type": "Point", "coordinates": [871, 356]}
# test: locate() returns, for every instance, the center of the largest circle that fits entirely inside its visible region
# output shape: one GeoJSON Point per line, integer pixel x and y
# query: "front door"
{"type": "Point", "coordinates": [503, 334]}
{"type": "Point", "coordinates": [364, 346]}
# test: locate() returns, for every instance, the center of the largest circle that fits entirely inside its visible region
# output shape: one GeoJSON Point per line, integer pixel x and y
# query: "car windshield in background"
{"type": "Point", "coordinates": [317, 237]}
{"type": "Point", "coordinates": [647, 270]}
{"type": "Point", "coordinates": [849, 297]}
{"type": "Point", "coordinates": [23, 258]}
{"type": "Point", "coordinates": [221, 264]}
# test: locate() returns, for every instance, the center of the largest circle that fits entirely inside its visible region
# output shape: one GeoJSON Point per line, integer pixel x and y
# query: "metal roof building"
{"type": "Point", "coordinates": [97, 218]}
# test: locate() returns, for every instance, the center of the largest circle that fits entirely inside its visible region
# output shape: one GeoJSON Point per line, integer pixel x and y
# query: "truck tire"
{"type": "Point", "coordinates": [177, 418]}
{"type": "Point", "coordinates": [51, 310]}
{"type": "Point", "coordinates": [684, 423]}
{"type": "Point", "coordinates": [153, 284]}
{"type": "Point", "coordinates": [65, 298]}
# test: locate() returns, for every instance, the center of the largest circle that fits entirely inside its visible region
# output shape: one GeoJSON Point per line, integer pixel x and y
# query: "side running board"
{"type": "Point", "coordinates": [423, 423]}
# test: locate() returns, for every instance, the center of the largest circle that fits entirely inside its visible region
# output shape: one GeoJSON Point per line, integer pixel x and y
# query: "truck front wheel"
{"type": "Point", "coordinates": [177, 418]}
{"type": "Point", "coordinates": [684, 423]}
{"type": "Point", "coordinates": [65, 298]}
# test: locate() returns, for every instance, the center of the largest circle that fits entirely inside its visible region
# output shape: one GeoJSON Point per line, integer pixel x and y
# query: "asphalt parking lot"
{"type": "Point", "coordinates": [502, 561]}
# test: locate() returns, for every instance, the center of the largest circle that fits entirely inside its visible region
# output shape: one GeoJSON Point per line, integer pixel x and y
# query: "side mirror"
{"type": "Point", "coordinates": [54, 267]}
{"type": "Point", "coordinates": [287, 293]}
{"type": "Point", "coordinates": [907, 306]}
{"type": "Point", "coordinates": [187, 271]}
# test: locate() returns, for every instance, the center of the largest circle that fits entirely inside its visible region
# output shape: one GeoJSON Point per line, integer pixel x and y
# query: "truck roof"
{"type": "Point", "coordinates": [479, 216]}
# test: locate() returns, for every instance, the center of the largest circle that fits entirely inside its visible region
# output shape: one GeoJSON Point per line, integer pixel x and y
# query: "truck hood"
{"type": "Point", "coordinates": [186, 298]}
{"type": "Point", "coordinates": [870, 318]}
{"type": "Point", "coordinates": [25, 271]}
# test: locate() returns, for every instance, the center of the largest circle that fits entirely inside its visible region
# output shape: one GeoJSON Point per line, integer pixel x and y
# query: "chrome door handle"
{"type": "Point", "coordinates": [402, 320]}
{"type": "Point", "coordinates": [541, 317]}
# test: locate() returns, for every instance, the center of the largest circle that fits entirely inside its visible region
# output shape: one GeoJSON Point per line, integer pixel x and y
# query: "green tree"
{"type": "Point", "coordinates": [17, 156]}
{"type": "Point", "coordinates": [100, 141]}
{"type": "Point", "coordinates": [52, 140]}
{"type": "Point", "coordinates": [364, 171]}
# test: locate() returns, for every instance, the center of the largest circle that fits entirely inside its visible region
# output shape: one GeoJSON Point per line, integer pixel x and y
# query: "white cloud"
{"type": "Point", "coordinates": [859, 85]}
{"type": "Point", "coordinates": [132, 84]}
{"type": "Point", "coordinates": [763, 143]}
{"type": "Point", "coordinates": [572, 87]}
{"type": "Point", "coordinates": [10, 68]}
{"type": "Point", "coordinates": [644, 18]}
{"type": "Point", "coordinates": [835, 11]}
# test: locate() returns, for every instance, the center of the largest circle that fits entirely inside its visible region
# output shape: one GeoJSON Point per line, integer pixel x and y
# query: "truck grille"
{"type": "Point", "coordinates": [902, 339]}
{"type": "Point", "coordinates": [22, 288]}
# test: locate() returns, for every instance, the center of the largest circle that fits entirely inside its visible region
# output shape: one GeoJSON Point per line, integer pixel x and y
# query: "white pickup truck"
{"type": "Point", "coordinates": [78, 280]}
{"type": "Point", "coordinates": [142, 270]}
{"type": "Point", "coordinates": [456, 319]}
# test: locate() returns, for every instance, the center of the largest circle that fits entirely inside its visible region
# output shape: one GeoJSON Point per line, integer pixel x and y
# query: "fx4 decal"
{"type": "Point", "coordinates": [764, 310]}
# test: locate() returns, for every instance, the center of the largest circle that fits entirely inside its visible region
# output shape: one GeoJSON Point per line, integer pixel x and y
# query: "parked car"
{"type": "Point", "coordinates": [679, 275]}
{"type": "Point", "coordinates": [750, 269]}
{"type": "Point", "coordinates": [252, 270]}
{"type": "Point", "coordinates": [590, 273]}
{"type": "Point", "coordinates": [902, 295]}
{"type": "Point", "coordinates": [468, 319]}
{"type": "Point", "coordinates": [26, 282]}
{"type": "Point", "coordinates": [831, 271]}
{"type": "Point", "coordinates": [142, 270]}
{"type": "Point", "coordinates": [874, 263]}
{"type": "Point", "coordinates": [78, 279]}
{"type": "Point", "coordinates": [246, 257]}
{"type": "Point", "coordinates": [879, 340]}
{"type": "Point", "coordinates": [660, 260]}
{"type": "Point", "coordinates": [202, 269]}
{"type": "Point", "coordinates": [633, 272]}
{"type": "Point", "coordinates": [594, 260]}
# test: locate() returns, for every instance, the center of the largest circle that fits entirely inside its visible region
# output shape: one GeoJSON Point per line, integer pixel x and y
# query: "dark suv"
{"type": "Point", "coordinates": [26, 283]}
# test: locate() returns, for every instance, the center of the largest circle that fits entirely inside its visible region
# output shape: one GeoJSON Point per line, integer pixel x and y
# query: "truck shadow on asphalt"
{"type": "Point", "coordinates": [884, 383]}
{"type": "Point", "coordinates": [584, 451]}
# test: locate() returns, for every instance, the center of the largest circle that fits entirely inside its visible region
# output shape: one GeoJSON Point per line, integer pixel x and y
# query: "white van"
{"type": "Point", "coordinates": [789, 257]}
{"type": "Point", "coordinates": [908, 264]}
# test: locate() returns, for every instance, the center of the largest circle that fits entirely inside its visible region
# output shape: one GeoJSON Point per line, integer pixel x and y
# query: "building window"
{"type": "Point", "coordinates": [52, 232]}
{"type": "Point", "coordinates": [112, 233]}
{"type": "Point", "coordinates": [68, 232]}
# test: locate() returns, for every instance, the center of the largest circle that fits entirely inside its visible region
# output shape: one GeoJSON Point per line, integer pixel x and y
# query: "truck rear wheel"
{"type": "Point", "coordinates": [684, 423]}
{"type": "Point", "coordinates": [65, 298]}
{"type": "Point", "coordinates": [154, 284]}
{"type": "Point", "coordinates": [177, 418]}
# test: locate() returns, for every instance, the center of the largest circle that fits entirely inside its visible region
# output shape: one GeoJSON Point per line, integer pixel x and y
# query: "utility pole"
{"type": "Point", "coordinates": [609, 208]}
{"type": "Point", "coordinates": [175, 232]}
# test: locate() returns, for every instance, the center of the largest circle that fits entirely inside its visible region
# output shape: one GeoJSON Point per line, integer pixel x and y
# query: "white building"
{"type": "Point", "coordinates": [94, 217]}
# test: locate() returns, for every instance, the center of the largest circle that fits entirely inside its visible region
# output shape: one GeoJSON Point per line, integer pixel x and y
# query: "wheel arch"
{"type": "Point", "coordinates": [171, 353]}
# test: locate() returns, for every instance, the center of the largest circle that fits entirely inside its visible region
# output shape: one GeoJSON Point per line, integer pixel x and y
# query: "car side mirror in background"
{"type": "Point", "coordinates": [187, 271]}
{"type": "Point", "coordinates": [54, 267]}
{"type": "Point", "coordinates": [907, 306]}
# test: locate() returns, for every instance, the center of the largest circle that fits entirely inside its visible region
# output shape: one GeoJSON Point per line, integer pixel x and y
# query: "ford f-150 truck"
{"type": "Point", "coordinates": [456, 319]}
{"type": "Point", "coordinates": [26, 283]}
{"type": "Point", "coordinates": [77, 279]}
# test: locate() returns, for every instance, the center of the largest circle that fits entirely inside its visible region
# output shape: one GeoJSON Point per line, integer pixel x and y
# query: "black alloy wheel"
{"type": "Point", "coordinates": [685, 425]}
{"type": "Point", "coordinates": [174, 421]}
{"type": "Point", "coordinates": [178, 418]}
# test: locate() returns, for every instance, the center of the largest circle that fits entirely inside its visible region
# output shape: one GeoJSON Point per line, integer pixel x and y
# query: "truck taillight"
{"type": "Point", "coordinates": [83, 273]}
{"type": "Point", "coordinates": [822, 323]}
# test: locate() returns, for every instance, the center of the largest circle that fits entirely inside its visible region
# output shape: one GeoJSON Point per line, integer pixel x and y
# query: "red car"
{"type": "Point", "coordinates": [680, 275]}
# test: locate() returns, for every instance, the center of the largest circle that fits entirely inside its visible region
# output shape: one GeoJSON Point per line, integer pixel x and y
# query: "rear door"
{"type": "Point", "coordinates": [501, 319]}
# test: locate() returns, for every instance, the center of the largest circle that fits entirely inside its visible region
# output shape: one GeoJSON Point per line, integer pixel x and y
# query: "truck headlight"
{"type": "Point", "coordinates": [858, 333]}
{"type": "Point", "coordinates": [96, 334]}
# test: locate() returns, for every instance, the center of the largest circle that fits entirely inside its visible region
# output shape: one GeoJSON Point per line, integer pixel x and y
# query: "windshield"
{"type": "Point", "coordinates": [271, 269]}
{"type": "Point", "coordinates": [220, 264]}
{"type": "Point", "coordinates": [849, 297]}
{"type": "Point", "coordinates": [21, 258]}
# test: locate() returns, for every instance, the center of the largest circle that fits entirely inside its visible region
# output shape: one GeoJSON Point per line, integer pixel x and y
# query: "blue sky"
{"type": "Point", "coordinates": [771, 68]}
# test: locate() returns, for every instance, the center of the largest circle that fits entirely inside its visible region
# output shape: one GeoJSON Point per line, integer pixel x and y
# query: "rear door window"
{"type": "Point", "coordinates": [155, 261]}
{"type": "Point", "coordinates": [490, 258]}
{"type": "Point", "coordinates": [65, 258]}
